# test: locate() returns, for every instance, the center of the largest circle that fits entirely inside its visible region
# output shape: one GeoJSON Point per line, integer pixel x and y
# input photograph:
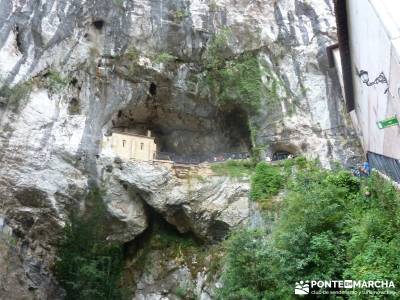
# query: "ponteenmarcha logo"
{"type": "Point", "coordinates": [302, 288]}
{"type": "Point", "coordinates": [349, 287]}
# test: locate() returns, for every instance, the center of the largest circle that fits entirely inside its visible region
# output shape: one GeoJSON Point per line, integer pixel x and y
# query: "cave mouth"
{"type": "Point", "coordinates": [185, 136]}
{"type": "Point", "coordinates": [158, 235]}
{"type": "Point", "coordinates": [74, 107]}
{"type": "Point", "coordinates": [281, 151]}
{"type": "Point", "coordinates": [280, 155]}
{"type": "Point", "coordinates": [165, 242]}
{"type": "Point", "coordinates": [98, 24]}
{"type": "Point", "coordinates": [236, 122]}
{"type": "Point", "coordinates": [153, 89]}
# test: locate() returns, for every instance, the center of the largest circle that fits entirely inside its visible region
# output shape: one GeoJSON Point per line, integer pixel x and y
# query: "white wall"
{"type": "Point", "coordinates": [372, 51]}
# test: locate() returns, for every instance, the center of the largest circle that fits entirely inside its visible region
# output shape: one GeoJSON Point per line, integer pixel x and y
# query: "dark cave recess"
{"type": "Point", "coordinates": [188, 135]}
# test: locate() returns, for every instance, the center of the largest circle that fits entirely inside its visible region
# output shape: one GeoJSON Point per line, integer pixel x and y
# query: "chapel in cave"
{"type": "Point", "coordinates": [131, 145]}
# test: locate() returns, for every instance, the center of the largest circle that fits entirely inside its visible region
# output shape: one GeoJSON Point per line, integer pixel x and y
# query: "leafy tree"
{"type": "Point", "coordinates": [251, 262]}
{"type": "Point", "coordinates": [266, 182]}
{"type": "Point", "coordinates": [329, 228]}
{"type": "Point", "coordinates": [88, 267]}
{"type": "Point", "coordinates": [345, 179]}
{"type": "Point", "coordinates": [374, 227]}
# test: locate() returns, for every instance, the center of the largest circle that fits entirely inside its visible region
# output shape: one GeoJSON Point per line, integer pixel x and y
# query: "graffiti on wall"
{"type": "Point", "coordinates": [380, 79]}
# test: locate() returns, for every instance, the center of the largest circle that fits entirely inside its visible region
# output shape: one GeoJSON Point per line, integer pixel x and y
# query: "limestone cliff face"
{"type": "Point", "coordinates": [207, 206]}
{"type": "Point", "coordinates": [71, 71]}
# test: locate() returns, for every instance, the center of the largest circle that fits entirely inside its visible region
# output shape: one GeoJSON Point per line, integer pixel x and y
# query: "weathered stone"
{"type": "Point", "coordinates": [126, 210]}
{"type": "Point", "coordinates": [108, 57]}
{"type": "Point", "coordinates": [208, 207]}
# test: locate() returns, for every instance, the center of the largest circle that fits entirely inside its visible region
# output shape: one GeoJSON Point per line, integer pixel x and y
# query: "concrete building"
{"type": "Point", "coordinates": [367, 59]}
{"type": "Point", "coordinates": [128, 145]}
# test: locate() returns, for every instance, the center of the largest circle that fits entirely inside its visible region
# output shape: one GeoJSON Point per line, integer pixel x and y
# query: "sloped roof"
{"type": "Point", "coordinates": [133, 134]}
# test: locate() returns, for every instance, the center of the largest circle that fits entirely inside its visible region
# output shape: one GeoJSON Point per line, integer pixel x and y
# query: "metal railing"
{"type": "Point", "coordinates": [201, 158]}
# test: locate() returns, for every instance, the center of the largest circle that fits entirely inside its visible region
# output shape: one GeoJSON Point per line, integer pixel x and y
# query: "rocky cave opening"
{"type": "Point", "coordinates": [18, 39]}
{"type": "Point", "coordinates": [153, 89]}
{"type": "Point", "coordinates": [280, 155]}
{"type": "Point", "coordinates": [73, 106]}
{"type": "Point", "coordinates": [98, 24]}
{"type": "Point", "coordinates": [157, 226]}
{"type": "Point", "coordinates": [282, 150]}
{"type": "Point", "coordinates": [160, 236]}
{"type": "Point", "coordinates": [188, 133]}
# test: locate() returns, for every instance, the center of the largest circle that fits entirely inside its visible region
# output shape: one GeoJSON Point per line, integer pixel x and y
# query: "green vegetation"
{"type": "Point", "coordinates": [132, 54]}
{"type": "Point", "coordinates": [119, 3]}
{"type": "Point", "coordinates": [179, 15]}
{"type": "Point", "coordinates": [331, 225]}
{"type": "Point", "coordinates": [233, 80]}
{"type": "Point", "coordinates": [54, 81]}
{"type": "Point", "coordinates": [238, 81]}
{"type": "Point", "coordinates": [16, 93]}
{"type": "Point", "coordinates": [273, 85]}
{"type": "Point", "coordinates": [256, 149]}
{"type": "Point", "coordinates": [213, 6]}
{"type": "Point", "coordinates": [304, 90]}
{"type": "Point", "coordinates": [253, 132]}
{"type": "Point", "coordinates": [165, 236]}
{"type": "Point", "coordinates": [249, 266]}
{"type": "Point", "coordinates": [89, 267]}
{"type": "Point", "coordinates": [164, 57]}
{"type": "Point", "coordinates": [165, 244]}
{"type": "Point", "coordinates": [266, 182]}
{"type": "Point", "coordinates": [184, 249]}
{"type": "Point", "coordinates": [233, 168]}
{"type": "Point", "coordinates": [217, 48]}
{"type": "Point", "coordinates": [181, 292]}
